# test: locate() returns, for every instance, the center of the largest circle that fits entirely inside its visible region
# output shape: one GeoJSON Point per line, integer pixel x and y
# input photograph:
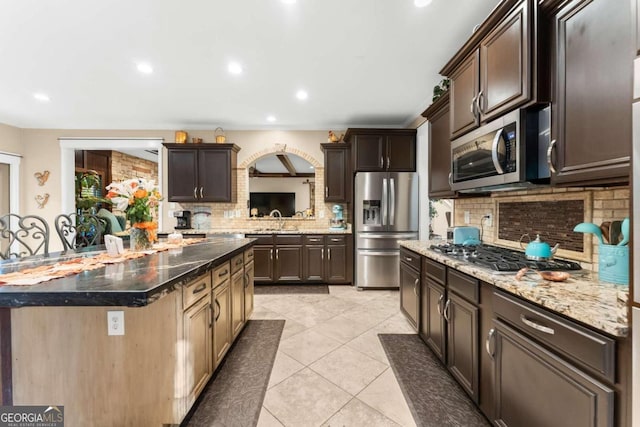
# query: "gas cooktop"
{"type": "Point", "coordinates": [501, 259]}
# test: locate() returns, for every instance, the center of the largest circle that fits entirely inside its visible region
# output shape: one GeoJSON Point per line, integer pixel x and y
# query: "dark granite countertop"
{"type": "Point", "coordinates": [134, 283]}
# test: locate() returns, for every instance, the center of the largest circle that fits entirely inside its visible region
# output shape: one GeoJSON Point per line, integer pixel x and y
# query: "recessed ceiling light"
{"type": "Point", "coordinates": [145, 68]}
{"type": "Point", "coordinates": [42, 97]}
{"type": "Point", "coordinates": [271, 119]}
{"type": "Point", "coordinates": [235, 68]}
{"type": "Point", "coordinates": [302, 95]}
{"type": "Point", "coordinates": [422, 3]}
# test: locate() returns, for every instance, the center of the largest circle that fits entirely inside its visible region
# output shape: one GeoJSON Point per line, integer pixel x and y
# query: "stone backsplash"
{"type": "Point", "coordinates": [552, 211]}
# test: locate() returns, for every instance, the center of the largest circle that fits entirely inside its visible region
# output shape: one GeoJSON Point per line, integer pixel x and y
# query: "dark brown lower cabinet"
{"type": "Point", "coordinates": [313, 261]}
{"type": "Point", "coordinates": [337, 268]}
{"type": "Point", "coordinates": [288, 264]}
{"type": "Point", "coordinates": [263, 263]}
{"type": "Point", "coordinates": [535, 388]}
{"type": "Point", "coordinates": [462, 342]}
{"type": "Point", "coordinates": [432, 325]}
{"type": "Point", "coordinates": [409, 288]}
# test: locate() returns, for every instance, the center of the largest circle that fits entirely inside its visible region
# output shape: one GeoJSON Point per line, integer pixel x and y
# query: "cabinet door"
{"type": "Point", "coordinates": [336, 175]}
{"type": "Point", "coordinates": [197, 323]}
{"type": "Point", "coordinates": [409, 288]}
{"type": "Point", "coordinates": [263, 263]}
{"type": "Point", "coordinates": [535, 388]}
{"type": "Point", "coordinates": [288, 263]}
{"type": "Point", "coordinates": [401, 153]}
{"type": "Point", "coordinates": [313, 263]}
{"type": "Point", "coordinates": [214, 175]}
{"type": "Point", "coordinates": [237, 302]}
{"type": "Point", "coordinates": [248, 290]}
{"type": "Point", "coordinates": [370, 153]}
{"type": "Point", "coordinates": [182, 170]}
{"type": "Point", "coordinates": [462, 343]}
{"type": "Point", "coordinates": [592, 93]}
{"type": "Point", "coordinates": [222, 321]}
{"type": "Point", "coordinates": [337, 269]}
{"type": "Point", "coordinates": [432, 325]}
{"type": "Point", "coordinates": [462, 93]}
{"type": "Point", "coordinates": [440, 155]}
{"type": "Point", "coordinates": [504, 65]}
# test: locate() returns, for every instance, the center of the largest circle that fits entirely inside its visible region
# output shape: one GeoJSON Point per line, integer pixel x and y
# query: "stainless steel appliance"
{"type": "Point", "coordinates": [386, 211]}
{"type": "Point", "coordinates": [184, 220]}
{"type": "Point", "coordinates": [508, 152]}
{"type": "Point", "coordinates": [502, 259]}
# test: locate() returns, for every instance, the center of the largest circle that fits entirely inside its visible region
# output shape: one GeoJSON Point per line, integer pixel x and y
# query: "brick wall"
{"type": "Point", "coordinates": [546, 210]}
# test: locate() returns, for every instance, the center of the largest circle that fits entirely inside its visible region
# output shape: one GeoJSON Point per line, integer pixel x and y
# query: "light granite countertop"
{"type": "Point", "coordinates": [259, 230]}
{"type": "Point", "coordinates": [582, 297]}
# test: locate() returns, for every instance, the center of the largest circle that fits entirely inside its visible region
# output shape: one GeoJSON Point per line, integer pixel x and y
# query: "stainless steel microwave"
{"type": "Point", "coordinates": [507, 152]}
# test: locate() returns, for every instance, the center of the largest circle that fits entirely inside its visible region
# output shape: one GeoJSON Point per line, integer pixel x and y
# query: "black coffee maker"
{"type": "Point", "coordinates": [184, 219]}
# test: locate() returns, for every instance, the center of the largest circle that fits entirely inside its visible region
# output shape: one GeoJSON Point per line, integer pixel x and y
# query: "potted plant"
{"type": "Point", "coordinates": [88, 191]}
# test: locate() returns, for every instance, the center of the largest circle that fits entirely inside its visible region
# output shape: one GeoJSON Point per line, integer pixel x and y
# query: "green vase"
{"type": "Point", "coordinates": [140, 239]}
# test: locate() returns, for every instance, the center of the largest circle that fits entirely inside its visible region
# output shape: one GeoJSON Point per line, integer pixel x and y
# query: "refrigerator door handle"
{"type": "Point", "coordinates": [392, 208]}
{"type": "Point", "coordinates": [384, 201]}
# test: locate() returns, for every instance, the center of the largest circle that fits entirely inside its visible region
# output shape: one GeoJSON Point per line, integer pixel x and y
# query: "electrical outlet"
{"type": "Point", "coordinates": [467, 217]}
{"type": "Point", "coordinates": [115, 322]}
{"type": "Point", "coordinates": [226, 214]}
{"type": "Point", "coordinates": [489, 219]}
{"type": "Point", "coordinates": [321, 213]}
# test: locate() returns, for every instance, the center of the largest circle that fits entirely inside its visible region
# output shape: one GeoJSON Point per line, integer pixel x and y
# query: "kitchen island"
{"type": "Point", "coordinates": [132, 343]}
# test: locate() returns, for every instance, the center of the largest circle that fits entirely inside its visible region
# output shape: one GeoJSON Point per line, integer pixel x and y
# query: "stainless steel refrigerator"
{"type": "Point", "coordinates": [386, 211]}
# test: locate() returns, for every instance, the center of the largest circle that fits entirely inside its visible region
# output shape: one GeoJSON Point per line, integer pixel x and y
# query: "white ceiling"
{"type": "Point", "coordinates": [363, 62]}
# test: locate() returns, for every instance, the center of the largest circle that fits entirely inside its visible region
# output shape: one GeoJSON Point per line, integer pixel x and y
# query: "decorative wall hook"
{"type": "Point", "coordinates": [42, 200]}
{"type": "Point", "coordinates": [42, 177]}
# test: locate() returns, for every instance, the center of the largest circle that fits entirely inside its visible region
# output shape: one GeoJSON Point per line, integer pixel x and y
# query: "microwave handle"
{"type": "Point", "coordinates": [494, 152]}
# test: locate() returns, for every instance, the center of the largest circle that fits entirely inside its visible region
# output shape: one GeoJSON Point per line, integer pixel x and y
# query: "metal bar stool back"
{"type": "Point", "coordinates": [23, 236]}
{"type": "Point", "coordinates": [79, 231]}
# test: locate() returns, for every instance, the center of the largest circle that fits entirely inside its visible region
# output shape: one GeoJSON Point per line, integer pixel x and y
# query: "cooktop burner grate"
{"type": "Point", "coordinates": [502, 259]}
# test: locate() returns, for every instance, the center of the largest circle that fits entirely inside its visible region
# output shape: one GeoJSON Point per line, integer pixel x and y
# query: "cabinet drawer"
{"type": "Point", "coordinates": [237, 262]}
{"type": "Point", "coordinates": [283, 239]}
{"type": "Point", "coordinates": [435, 270]}
{"type": "Point", "coordinates": [466, 286]}
{"type": "Point", "coordinates": [313, 240]}
{"type": "Point", "coordinates": [221, 274]}
{"type": "Point", "coordinates": [587, 348]}
{"type": "Point", "coordinates": [248, 255]}
{"type": "Point", "coordinates": [336, 240]}
{"type": "Point", "coordinates": [196, 289]}
{"type": "Point", "coordinates": [410, 258]}
{"type": "Point", "coordinates": [261, 239]}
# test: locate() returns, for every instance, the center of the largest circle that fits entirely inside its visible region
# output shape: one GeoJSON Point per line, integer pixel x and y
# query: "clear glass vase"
{"type": "Point", "coordinates": [140, 239]}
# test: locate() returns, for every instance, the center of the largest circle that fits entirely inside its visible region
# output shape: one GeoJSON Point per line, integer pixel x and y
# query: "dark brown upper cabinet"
{"type": "Point", "coordinates": [203, 173]}
{"type": "Point", "coordinates": [380, 150]}
{"type": "Point", "coordinates": [496, 71]}
{"type": "Point", "coordinates": [593, 52]}
{"type": "Point", "coordinates": [337, 173]}
{"type": "Point", "coordinates": [439, 148]}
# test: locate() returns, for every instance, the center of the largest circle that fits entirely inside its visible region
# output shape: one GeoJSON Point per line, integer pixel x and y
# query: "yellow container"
{"type": "Point", "coordinates": [220, 137]}
{"type": "Point", "coordinates": [181, 136]}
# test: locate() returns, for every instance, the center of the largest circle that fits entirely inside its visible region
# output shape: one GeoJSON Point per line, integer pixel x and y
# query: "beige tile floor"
{"type": "Point", "coordinates": [330, 369]}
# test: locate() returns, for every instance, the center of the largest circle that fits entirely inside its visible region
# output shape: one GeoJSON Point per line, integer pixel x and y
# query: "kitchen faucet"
{"type": "Point", "coordinates": [277, 214]}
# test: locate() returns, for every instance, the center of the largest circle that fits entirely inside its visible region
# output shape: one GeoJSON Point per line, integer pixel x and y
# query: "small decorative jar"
{"type": "Point", "coordinates": [220, 136]}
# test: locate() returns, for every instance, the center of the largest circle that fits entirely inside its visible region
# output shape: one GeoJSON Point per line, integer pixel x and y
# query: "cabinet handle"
{"type": "Point", "coordinates": [200, 288]}
{"type": "Point", "coordinates": [472, 106]}
{"type": "Point", "coordinates": [329, 254]}
{"type": "Point", "coordinates": [271, 254]}
{"type": "Point", "coordinates": [536, 326]}
{"type": "Point", "coordinates": [381, 162]}
{"type": "Point", "coordinates": [415, 287]}
{"type": "Point", "coordinates": [326, 192]}
{"type": "Point", "coordinates": [246, 280]}
{"type": "Point", "coordinates": [408, 259]}
{"type": "Point", "coordinates": [388, 162]}
{"type": "Point", "coordinates": [224, 273]}
{"type": "Point", "coordinates": [238, 262]}
{"type": "Point", "coordinates": [335, 239]}
{"type": "Point", "coordinates": [201, 188]}
{"type": "Point", "coordinates": [439, 303]}
{"type": "Point", "coordinates": [487, 343]}
{"type": "Point", "coordinates": [277, 253]}
{"type": "Point", "coordinates": [195, 192]}
{"type": "Point", "coordinates": [479, 102]}
{"type": "Point", "coordinates": [450, 179]}
{"type": "Point", "coordinates": [447, 308]}
{"type": "Point", "coordinates": [552, 144]}
{"type": "Point", "coordinates": [322, 254]}
{"type": "Point", "coordinates": [217, 305]}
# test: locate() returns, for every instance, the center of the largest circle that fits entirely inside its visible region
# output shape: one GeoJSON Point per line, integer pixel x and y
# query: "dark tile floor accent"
{"type": "Point", "coordinates": [291, 289]}
{"type": "Point", "coordinates": [433, 396]}
{"type": "Point", "coordinates": [234, 396]}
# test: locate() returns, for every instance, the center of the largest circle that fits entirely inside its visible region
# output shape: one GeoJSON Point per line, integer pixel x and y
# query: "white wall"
{"type": "Point", "coordinates": [422, 159]}
{"type": "Point", "coordinates": [283, 185]}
